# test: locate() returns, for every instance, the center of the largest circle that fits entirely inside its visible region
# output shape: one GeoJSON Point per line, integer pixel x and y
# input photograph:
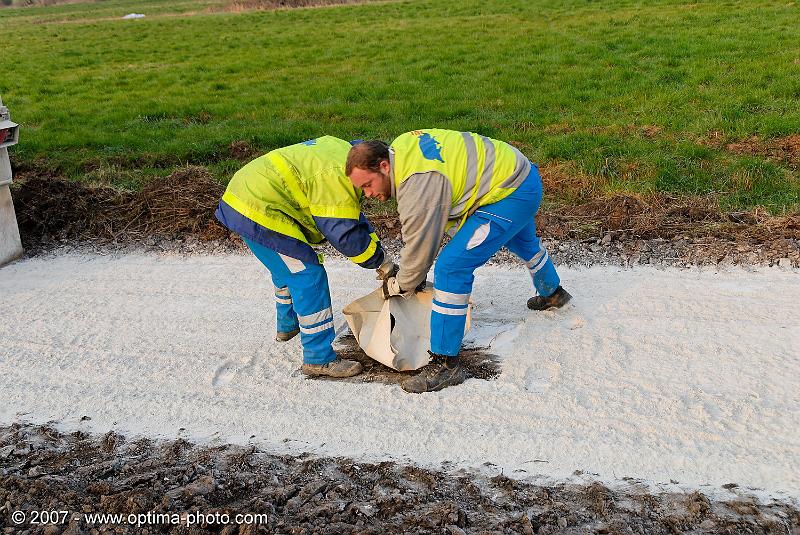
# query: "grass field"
{"type": "Point", "coordinates": [620, 95]}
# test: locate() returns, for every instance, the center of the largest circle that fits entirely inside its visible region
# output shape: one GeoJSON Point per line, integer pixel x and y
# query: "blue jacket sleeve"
{"type": "Point", "coordinates": [354, 238]}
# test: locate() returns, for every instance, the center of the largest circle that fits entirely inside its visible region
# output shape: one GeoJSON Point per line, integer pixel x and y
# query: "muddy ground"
{"type": "Point", "coordinates": [478, 363]}
{"type": "Point", "coordinates": [42, 469]}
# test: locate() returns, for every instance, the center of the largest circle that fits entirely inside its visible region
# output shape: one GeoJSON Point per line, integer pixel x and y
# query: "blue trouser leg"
{"type": "Point", "coordinates": [287, 318]}
{"type": "Point", "coordinates": [526, 245]}
{"type": "Point", "coordinates": [310, 297]}
{"type": "Point", "coordinates": [481, 236]}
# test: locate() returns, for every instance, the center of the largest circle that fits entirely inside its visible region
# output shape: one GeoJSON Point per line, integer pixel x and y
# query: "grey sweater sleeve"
{"type": "Point", "coordinates": [423, 205]}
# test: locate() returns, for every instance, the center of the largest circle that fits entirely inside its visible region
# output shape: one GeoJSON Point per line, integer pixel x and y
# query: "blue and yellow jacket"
{"type": "Point", "coordinates": [298, 196]}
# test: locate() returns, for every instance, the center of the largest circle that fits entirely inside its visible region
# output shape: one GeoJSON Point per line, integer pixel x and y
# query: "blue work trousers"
{"type": "Point", "coordinates": [510, 223]}
{"type": "Point", "coordinates": [302, 300]}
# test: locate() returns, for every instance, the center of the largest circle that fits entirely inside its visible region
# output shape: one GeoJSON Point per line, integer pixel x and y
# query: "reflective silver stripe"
{"type": "Point", "coordinates": [485, 183]}
{"type": "Point", "coordinates": [541, 264]}
{"type": "Point", "coordinates": [488, 168]}
{"type": "Point", "coordinates": [282, 292]}
{"type": "Point", "coordinates": [535, 259]}
{"type": "Point", "coordinates": [316, 317]}
{"type": "Point", "coordinates": [448, 311]}
{"type": "Point", "coordinates": [318, 329]}
{"type": "Point", "coordinates": [450, 298]}
{"type": "Point", "coordinates": [472, 172]}
{"type": "Point", "coordinates": [519, 175]}
{"type": "Point", "coordinates": [283, 300]}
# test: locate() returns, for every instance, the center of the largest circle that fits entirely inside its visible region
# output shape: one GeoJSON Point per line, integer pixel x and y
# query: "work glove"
{"type": "Point", "coordinates": [387, 269]}
{"type": "Point", "coordinates": [391, 288]}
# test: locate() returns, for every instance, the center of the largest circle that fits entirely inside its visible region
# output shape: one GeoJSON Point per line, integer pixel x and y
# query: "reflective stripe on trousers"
{"type": "Point", "coordinates": [286, 319]}
{"type": "Point", "coordinates": [511, 224]}
{"type": "Point", "coordinates": [303, 301]}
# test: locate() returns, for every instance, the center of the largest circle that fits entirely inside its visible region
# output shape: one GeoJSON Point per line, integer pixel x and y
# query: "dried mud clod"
{"type": "Point", "coordinates": [43, 469]}
{"type": "Point", "coordinates": [242, 150]}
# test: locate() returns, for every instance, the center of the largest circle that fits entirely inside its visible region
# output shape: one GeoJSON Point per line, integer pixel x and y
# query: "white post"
{"type": "Point", "coordinates": [10, 243]}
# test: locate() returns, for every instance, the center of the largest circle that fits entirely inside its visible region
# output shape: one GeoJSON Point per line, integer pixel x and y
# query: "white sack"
{"type": "Point", "coordinates": [404, 347]}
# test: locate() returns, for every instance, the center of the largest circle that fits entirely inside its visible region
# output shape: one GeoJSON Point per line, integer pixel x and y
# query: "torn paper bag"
{"type": "Point", "coordinates": [395, 332]}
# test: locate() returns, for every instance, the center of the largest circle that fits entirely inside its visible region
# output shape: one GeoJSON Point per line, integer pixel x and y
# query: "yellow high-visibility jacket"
{"type": "Point", "coordinates": [298, 196]}
{"type": "Point", "coordinates": [439, 177]}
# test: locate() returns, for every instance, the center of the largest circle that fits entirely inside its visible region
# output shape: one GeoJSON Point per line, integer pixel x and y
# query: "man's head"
{"type": "Point", "coordinates": [369, 169]}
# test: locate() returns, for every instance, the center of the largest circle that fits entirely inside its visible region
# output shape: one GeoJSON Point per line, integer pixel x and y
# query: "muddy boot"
{"type": "Point", "coordinates": [336, 368]}
{"type": "Point", "coordinates": [285, 337]}
{"type": "Point", "coordinates": [442, 372]}
{"type": "Point", "coordinates": [559, 298]}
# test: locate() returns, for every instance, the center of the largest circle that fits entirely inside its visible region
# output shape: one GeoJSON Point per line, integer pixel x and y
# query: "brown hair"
{"type": "Point", "coordinates": [366, 155]}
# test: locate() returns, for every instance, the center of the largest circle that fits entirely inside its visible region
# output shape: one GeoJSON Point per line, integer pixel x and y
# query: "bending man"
{"type": "Point", "coordinates": [483, 191]}
{"type": "Point", "coordinates": [281, 204]}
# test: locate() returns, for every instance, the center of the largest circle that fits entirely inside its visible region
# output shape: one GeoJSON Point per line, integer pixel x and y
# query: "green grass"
{"type": "Point", "coordinates": [120, 101]}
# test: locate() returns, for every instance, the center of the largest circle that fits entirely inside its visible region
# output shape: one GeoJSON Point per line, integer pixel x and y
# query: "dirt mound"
{"type": "Point", "coordinates": [179, 205]}
{"type": "Point", "coordinates": [44, 470]}
{"type": "Point", "coordinates": [783, 149]}
{"type": "Point", "coordinates": [242, 150]}
{"type": "Point", "coordinates": [663, 216]}
{"type": "Point", "coordinates": [182, 206]}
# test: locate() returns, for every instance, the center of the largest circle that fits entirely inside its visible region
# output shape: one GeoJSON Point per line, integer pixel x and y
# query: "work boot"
{"type": "Point", "coordinates": [285, 337]}
{"type": "Point", "coordinates": [336, 368]}
{"type": "Point", "coordinates": [443, 371]}
{"type": "Point", "coordinates": [559, 298]}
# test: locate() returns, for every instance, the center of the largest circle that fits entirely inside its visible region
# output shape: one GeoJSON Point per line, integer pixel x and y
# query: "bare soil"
{"type": "Point", "coordinates": [780, 150]}
{"type": "Point", "coordinates": [181, 204]}
{"type": "Point", "coordinates": [177, 213]}
{"type": "Point", "coordinates": [44, 469]}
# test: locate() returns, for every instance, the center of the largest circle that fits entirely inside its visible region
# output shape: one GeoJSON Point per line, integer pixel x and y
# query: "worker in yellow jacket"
{"type": "Point", "coordinates": [281, 204]}
{"type": "Point", "coordinates": [485, 193]}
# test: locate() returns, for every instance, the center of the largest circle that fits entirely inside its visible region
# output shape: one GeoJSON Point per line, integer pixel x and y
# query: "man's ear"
{"type": "Point", "coordinates": [385, 166]}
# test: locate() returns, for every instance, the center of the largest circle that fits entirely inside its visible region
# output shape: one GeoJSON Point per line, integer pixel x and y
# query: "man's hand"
{"type": "Point", "coordinates": [387, 269]}
{"type": "Point", "coordinates": [391, 288]}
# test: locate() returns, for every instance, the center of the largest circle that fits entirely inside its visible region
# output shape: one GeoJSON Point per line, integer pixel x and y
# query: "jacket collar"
{"type": "Point", "coordinates": [391, 172]}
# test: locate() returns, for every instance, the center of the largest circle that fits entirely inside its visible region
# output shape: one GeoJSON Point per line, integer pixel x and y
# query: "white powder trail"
{"type": "Point", "coordinates": [686, 375]}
